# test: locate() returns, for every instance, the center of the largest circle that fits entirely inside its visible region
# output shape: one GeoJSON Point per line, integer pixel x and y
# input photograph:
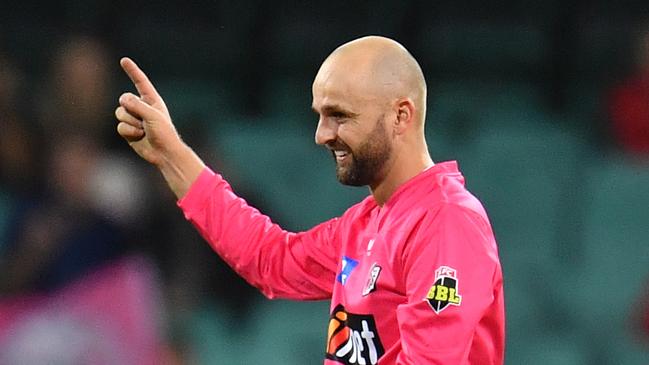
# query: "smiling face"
{"type": "Point", "coordinates": [370, 95]}
{"type": "Point", "coordinates": [364, 164]}
{"type": "Point", "coordinates": [352, 124]}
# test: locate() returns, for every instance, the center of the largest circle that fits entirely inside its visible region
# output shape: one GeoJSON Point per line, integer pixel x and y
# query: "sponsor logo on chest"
{"type": "Point", "coordinates": [353, 338]}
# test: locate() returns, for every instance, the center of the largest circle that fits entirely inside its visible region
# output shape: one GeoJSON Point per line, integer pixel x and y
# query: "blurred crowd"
{"type": "Point", "coordinates": [75, 200]}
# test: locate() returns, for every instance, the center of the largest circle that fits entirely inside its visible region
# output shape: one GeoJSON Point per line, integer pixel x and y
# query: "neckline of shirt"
{"type": "Point", "coordinates": [438, 168]}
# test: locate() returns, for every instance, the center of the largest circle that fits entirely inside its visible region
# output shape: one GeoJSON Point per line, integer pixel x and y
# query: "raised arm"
{"type": "Point", "coordinates": [145, 123]}
{"type": "Point", "coordinates": [279, 263]}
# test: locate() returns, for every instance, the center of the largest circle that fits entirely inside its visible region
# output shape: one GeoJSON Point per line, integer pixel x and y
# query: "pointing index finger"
{"type": "Point", "coordinates": [144, 87]}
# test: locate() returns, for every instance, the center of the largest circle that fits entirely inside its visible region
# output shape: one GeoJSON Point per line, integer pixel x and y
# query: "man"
{"type": "Point", "coordinates": [412, 271]}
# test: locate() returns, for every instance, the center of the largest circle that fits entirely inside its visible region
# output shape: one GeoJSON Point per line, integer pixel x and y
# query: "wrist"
{"type": "Point", "coordinates": [180, 167]}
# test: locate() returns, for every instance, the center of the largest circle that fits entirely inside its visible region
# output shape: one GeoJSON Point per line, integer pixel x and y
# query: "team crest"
{"type": "Point", "coordinates": [445, 290]}
{"type": "Point", "coordinates": [370, 286]}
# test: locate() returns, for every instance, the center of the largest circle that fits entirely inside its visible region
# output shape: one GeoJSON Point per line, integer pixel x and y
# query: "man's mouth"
{"type": "Point", "coordinates": [340, 155]}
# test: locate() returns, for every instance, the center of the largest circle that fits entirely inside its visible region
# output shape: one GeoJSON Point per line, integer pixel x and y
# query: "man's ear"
{"type": "Point", "coordinates": [405, 114]}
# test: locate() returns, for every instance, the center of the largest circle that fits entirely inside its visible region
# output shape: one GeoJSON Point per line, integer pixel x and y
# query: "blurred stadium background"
{"type": "Point", "coordinates": [518, 94]}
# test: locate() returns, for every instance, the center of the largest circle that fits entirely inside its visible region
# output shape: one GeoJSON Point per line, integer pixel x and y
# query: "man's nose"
{"type": "Point", "coordinates": [326, 132]}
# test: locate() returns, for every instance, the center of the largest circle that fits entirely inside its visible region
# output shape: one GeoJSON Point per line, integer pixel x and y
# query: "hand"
{"type": "Point", "coordinates": [144, 121]}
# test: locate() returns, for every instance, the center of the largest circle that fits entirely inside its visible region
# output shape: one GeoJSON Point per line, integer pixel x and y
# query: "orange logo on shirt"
{"type": "Point", "coordinates": [352, 338]}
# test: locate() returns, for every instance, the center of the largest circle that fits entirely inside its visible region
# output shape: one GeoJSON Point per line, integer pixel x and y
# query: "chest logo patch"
{"type": "Point", "coordinates": [370, 286]}
{"type": "Point", "coordinates": [445, 291]}
{"type": "Point", "coordinates": [353, 338]}
{"type": "Point", "coordinates": [347, 266]}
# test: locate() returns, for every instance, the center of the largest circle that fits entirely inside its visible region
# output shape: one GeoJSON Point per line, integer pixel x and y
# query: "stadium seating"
{"type": "Point", "coordinates": [289, 99]}
{"type": "Point", "coordinates": [549, 348]}
{"type": "Point", "coordinates": [482, 48]}
{"type": "Point", "coordinates": [615, 252]}
{"type": "Point", "coordinates": [287, 332]}
{"type": "Point", "coordinates": [276, 333]}
{"type": "Point", "coordinates": [607, 281]}
{"type": "Point", "coordinates": [211, 43]}
{"type": "Point", "coordinates": [193, 101]}
{"type": "Point", "coordinates": [213, 336]}
{"type": "Point", "coordinates": [461, 108]}
{"type": "Point", "coordinates": [525, 176]}
{"type": "Point", "coordinates": [294, 28]}
{"type": "Point", "coordinates": [504, 166]}
{"type": "Point", "coordinates": [293, 176]}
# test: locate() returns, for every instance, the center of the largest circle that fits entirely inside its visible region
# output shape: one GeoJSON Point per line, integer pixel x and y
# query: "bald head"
{"type": "Point", "coordinates": [379, 68]}
{"type": "Point", "coordinates": [370, 97]}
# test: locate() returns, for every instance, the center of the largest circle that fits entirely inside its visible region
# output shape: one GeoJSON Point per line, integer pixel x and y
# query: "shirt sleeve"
{"type": "Point", "coordinates": [280, 264]}
{"type": "Point", "coordinates": [451, 272]}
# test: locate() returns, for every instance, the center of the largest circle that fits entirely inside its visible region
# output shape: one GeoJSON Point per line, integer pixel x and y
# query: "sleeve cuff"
{"type": "Point", "coordinates": [196, 194]}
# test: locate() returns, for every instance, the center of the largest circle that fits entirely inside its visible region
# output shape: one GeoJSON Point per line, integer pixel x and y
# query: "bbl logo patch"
{"type": "Point", "coordinates": [353, 339]}
{"type": "Point", "coordinates": [445, 290]}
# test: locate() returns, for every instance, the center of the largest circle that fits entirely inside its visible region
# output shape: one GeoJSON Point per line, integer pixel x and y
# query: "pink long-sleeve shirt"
{"type": "Point", "coordinates": [415, 281]}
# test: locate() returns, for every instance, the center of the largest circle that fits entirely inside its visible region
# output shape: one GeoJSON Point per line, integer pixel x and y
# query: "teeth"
{"type": "Point", "coordinates": [340, 153]}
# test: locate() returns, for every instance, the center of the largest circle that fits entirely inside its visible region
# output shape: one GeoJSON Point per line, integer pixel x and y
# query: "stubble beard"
{"type": "Point", "coordinates": [367, 161]}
